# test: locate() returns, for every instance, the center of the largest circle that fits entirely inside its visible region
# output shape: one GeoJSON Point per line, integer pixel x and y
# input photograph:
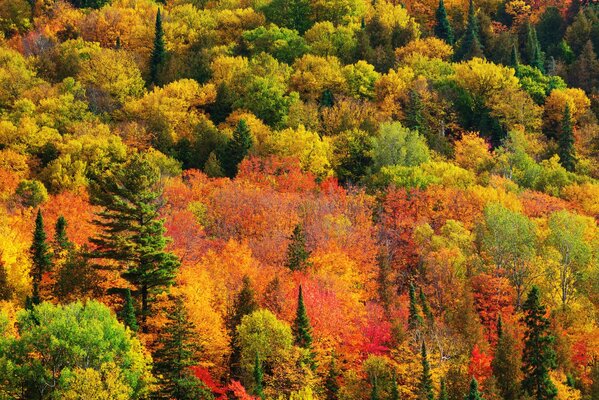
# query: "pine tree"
{"type": "Point", "coordinates": [40, 257]}
{"type": "Point", "coordinates": [394, 395]}
{"type": "Point", "coordinates": [327, 99]}
{"type": "Point", "coordinates": [177, 352]}
{"type": "Point", "coordinates": [474, 394]}
{"type": "Point", "coordinates": [584, 72]}
{"type": "Point", "coordinates": [244, 304]}
{"type": "Point", "coordinates": [258, 378]}
{"type": "Point", "coordinates": [5, 288]}
{"type": "Point", "coordinates": [302, 330]}
{"type": "Point", "coordinates": [443, 27]}
{"type": "Point", "coordinates": [426, 310]}
{"type": "Point", "coordinates": [426, 380]}
{"type": "Point", "coordinates": [443, 391]}
{"type": "Point", "coordinates": [414, 112]}
{"type": "Point", "coordinates": [131, 232]}
{"type": "Point", "coordinates": [374, 391]}
{"type": "Point", "coordinates": [506, 363]}
{"type": "Point", "coordinates": [414, 318]}
{"type": "Point", "coordinates": [61, 240]}
{"type": "Point", "coordinates": [331, 383]}
{"type": "Point", "coordinates": [128, 312]}
{"type": "Point", "coordinates": [297, 253]}
{"type": "Point", "coordinates": [471, 45]}
{"type": "Point", "coordinates": [515, 58]}
{"type": "Point", "coordinates": [566, 152]}
{"type": "Point", "coordinates": [158, 56]}
{"type": "Point", "coordinates": [538, 357]}
{"type": "Point", "coordinates": [236, 149]}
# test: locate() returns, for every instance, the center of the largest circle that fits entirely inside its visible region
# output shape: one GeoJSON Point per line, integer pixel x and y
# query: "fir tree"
{"type": "Point", "coordinates": [61, 240]}
{"type": "Point", "coordinates": [128, 312]}
{"type": "Point", "coordinates": [40, 257]}
{"type": "Point", "coordinates": [415, 111]}
{"type": "Point", "coordinates": [426, 380]}
{"type": "Point", "coordinates": [566, 152]}
{"type": "Point", "coordinates": [131, 232]}
{"type": "Point", "coordinates": [394, 395]}
{"type": "Point", "coordinates": [117, 44]}
{"type": "Point", "coordinates": [177, 352]}
{"type": "Point", "coordinates": [473, 394]}
{"type": "Point", "coordinates": [244, 304]}
{"type": "Point", "coordinates": [236, 149]}
{"type": "Point", "coordinates": [414, 318]}
{"type": "Point", "coordinates": [331, 383]}
{"type": "Point", "coordinates": [471, 45]}
{"type": "Point", "coordinates": [426, 310]}
{"type": "Point", "coordinates": [506, 364]}
{"type": "Point", "coordinates": [538, 357]}
{"type": "Point", "coordinates": [374, 391]}
{"type": "Point", "coordinates": [515, 58]}
{"type": "Point", "coordinates": [443, 27]}
{"type": "Point", "coordinates": [302, 331]}
{"type": "Point", "coordinates": [327, 99]}
{"type": "Point", "coordinates": [258, 378]}
{"type": "Point", "coordinates": [297, 253]}
{"type": "Point", "coordinates": [443, 391]}
{"type": "Point", "coordinates": [158, 55]}
{"type": "Point", "coordinates": [5, 288]}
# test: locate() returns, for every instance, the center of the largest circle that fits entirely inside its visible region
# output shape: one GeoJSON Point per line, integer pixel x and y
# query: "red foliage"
{"type": "Point", "coordinates": [204, 375]}
{"type": "Point", "coordinates": [537, 204]}
{"type": "Point", "coordinates": [239, 391]}
{"type": "Point", "coordinates": [280, 173]}
{"type": "Point", "coordinates": [480, 365]}
{"type": "Point", "coordinates": [492, 296]}
{"type": "Point", "coordinates": [377, 332]}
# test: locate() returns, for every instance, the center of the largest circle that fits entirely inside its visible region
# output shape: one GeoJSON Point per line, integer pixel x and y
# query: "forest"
{"type": "Point", "coordinates": [299, 199]}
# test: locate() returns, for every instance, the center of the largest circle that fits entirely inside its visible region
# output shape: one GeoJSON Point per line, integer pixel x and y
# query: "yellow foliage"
{"type": "Point", "coordinates": [392, 88]}
{"type": "Point", "coordinates": [555, 104]}
{"type": "Point", "coordinates": [585, 195]}
{"type": "Point", "coordinates": [14, 253]}
{"type": "Point", "coordinates": [472, 152]}
{"type": "Point", "coordinates": [313, 75]}
{"type": "Point", "coordinates": [429, 47]}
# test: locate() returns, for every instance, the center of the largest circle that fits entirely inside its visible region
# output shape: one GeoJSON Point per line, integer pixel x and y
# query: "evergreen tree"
{"type": "Point", "coordinates": [414, 318]}
{"type": "Point", "coordinates": [471, 45]}
{"type": "Point", "coordinates": [128, 312]}
{"type": "Point", "coordinates": [331, 383]}
{"type": "Point", "coordinates": [374, 392]}
{"type": "Point", "coordinates": [302, 331]}
{"type": "Point", "coordinates": [594, 389]}
{"type": "Point", "coordinates": [426, 380]}
{"type": "Point", "coordinates": [117, 44]}
{"type": "Point", "coordinates": [258, 378]}
{"type": "Point", "coordinates": [394, 389]}
{"type": "Point", "coordinates": [443, 391]}
{"type": "Point", "coordinates": [327, 99]}
{"type": "Point", "coordinates": [244, 304]}
{"type": "Point", "coordinates": [40, 257]}
{"type": "Point", "coordinates": [61, 239]}
{"type": "Point", "coordinates": [158, 55]}
{"type": "Point", "coordinates": [292, 14]}
{"type": "Point", "coordinates": [5, 288]}
{"type": "Point", "coordinates": [443, 27]}
{"type": "Point", "coordinates": [474, 394]}
{"type": "Point", "coordinates": [236, 149]}
{"type": "Point", "coordinates": [505, 364]}
{"type": "Point", "coordinates": [297, 253]}
{"type": "Point", "coordinates": [131, 232]}
{"type": "Point", "coordinates": [515, 59]}
{"type": "Point", "coordinates": [177, 352]}
{"type": "Point", "coordinates": [426, 310]}
{"type": "Point", "coordinates": [566, 152]}
{"type": "Point", "coordinates": [414, 113]}
{"type": "Point", "coordinates": [538, 357]}
{"type": "Point", "coordinates": [584, 72]}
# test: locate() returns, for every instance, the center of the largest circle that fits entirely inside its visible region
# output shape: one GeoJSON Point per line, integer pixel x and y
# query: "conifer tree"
{"type": "Point", "coordinates": [443, 27]}
{"type": "Point", "coordinates": [331, 383]}
{"type": "Point", "coordinates": [566, 152]}
{"type": "Point", "coordinates": [327, 99]}
{"type": "Point", "coordinates": [426, 380]}
{"type": "Point", "coordinates": [297, 253]}
{"type": "Point", "coordinates": [302, 331]}
{"type": "Point", "coordinates": [414, 318]}
{"type": "Point", "coordinates": [131, 232]}
{"type": "Point", "coordinates": [158, 55]}
{"type": "Point", "coordinates": [426, 310]}
{"type": "Point", "coordinates": [515, 58]}
{"type": "Point", "coordinates": [471, 45]}
{"type": "Point", "coordinates": [128, 312]}
{"type": "Point", "coordinates": [538, 357]}
{"type": "Point", "coordinates": [414, 112]}
{"type": "Point", "coordinates": [506, 363]}
{"type": "Point", "coordinates": [394, 395]}
{"type": "Point", "coordinates": [258, 378]}
{"type": "Point", "coordinates": [374, 391]}
{"type": "Point", "coordinates": [177, 352]}
{"type": "Point", "coordinates": [5, 288]}
{"type": "Point", "coordinates": [443, 395]}
{"type": "Point", "coordinates": [236, 149]}
{"type": "Point", "coordinates": [244, 304]}
{"type": "Point", "coordinates": [61, 239]}
{"type": "Point", "coordinates": [474, 394]}
{"type": "Point", "coordinates": [40, 257]}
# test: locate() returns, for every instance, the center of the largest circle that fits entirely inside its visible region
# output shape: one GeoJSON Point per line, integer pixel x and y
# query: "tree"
{"type": "Point", "coordinates": [331, 383]}
{"type": "Point", "coordinates": [244, 304]}
{"type": "Point", "coordinates": [297, 253]}
{"type": "Point", "coordinates": [443, 395]}
{"type": "Point", "coordinates": [414, 318]}
{"type": "Point", "coordinates": [538, 357]}
{"type": "Point", "coordinates": [61, 239]}
{"type": "Point", "coordinates": [533, 52]}
{"type": "Point", "coordinates": [131, 233]}
{"type": "Point", "coordinates": [566, 152]}
{"type": "Point", "coordinates": [158, 55]}
{"type": "Point", "coordinates": [426, 381]}
{"type": "Point", "coordinates": [236, 149]}
{"type": "Point", "coordinates": [443, 27]}
{"type": "Point", "coordinates": [302, 330]}
{"type": "Point", "coordinates": [294, 14]}
{"type": "Point", "coordinates": [5, 288]}
{"type": "Point", "coordinates": [426, 310]}
{"type": "Point", "coordinates": [258, 377]}
{"type": "Point", "coordinates": [471, 46]}
{"type": "Point", "coordinates": [176, 353]}
{"type": "Point", "coordinates": [474, 394]}
{"type": "Point", "coordinates": [515, 59]}
{"type": "Point", "coordinates": [40, 257]}
{"type": "Point", "coordinates": [506, 363]}
{"type": "Point", "coordinates": [128, 312]}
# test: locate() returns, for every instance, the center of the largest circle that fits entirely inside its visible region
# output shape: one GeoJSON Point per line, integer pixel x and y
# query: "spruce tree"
{"type": "Point", "coordinates": [443, 27]}
{"type": "Point", "coordinates": [515, 58]}
{"type": "Point", "coordinates": [327, 99]}
{"type": "Point", "coordinates": [538, 357]}
{"type": "Point", "coordinates": [426, 310]}
{"type": "Point", "coordinates": [394, 395]}
{"type": "Point", "coordinates": [236, 149]}
{"type": "Point", "coordinates": [302, 330]}
{"type": "Point", "coordinates": [131, 231]}
{"type": "Point", "coordinates": [426, 380]}
{"type": "Point", "coordinates": [566, 152]}
{"type": "Point", "coordinates": [61, 240]}
{"type": "Point", "coordinates": [443, 395]}
{"type": "Point", "coordinates": [177, 352]}
{"type": "Point", "coordinates": [415, 110]}
{"type": "Point", "coordinates": [414, 318]}
{"type": "Point", "coordinates": [474, 394]}
{"type": "Point", "coordinates": [471, 45]}
{"type": "Point", "coordinates": [506, 363]}
{"type": "Point", "coordinates": [128, 312]}
{"type": "Point", "coordinates": [40, 256]}
{"type": "Point", "coordinates": [331, 383]}
{"type": "Point", "coordinates": [5, 288]}
{"type": "Point", "coordinates": [158, 55]}
{"type": "Point", "coordinates": [297, 253]}
{"type": "Point", "coordinates": [244, 304]}
{"type": "Point", "coordinates": [374, 391]}
{"type": "Point", "coordinates": [258, 378]}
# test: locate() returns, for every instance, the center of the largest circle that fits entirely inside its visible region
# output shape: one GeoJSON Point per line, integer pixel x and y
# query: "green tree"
{"type": "Point", "coordinates": [244, 304]}
{"type": "Point", "coordinates": [331, 383]}
{"type": "Point", "coordinates": [236, 149]}
{"type": "Point", "coordinates": [538, 357]}
{"type": "Point", "coordinates": [473, 394]}
{"type": "Point", "coordinates": [443, 27]}
{"type": "Point", "coordinates": [61, 240]}
{"type": "Point", "coordinates": [414, 318]}
{"type": "Point", "coordinates": [297, 253]}
{"type": "Point", "coordinates": [131, 232]}
{"type": "Point", "coordinates": [258, 377]}
{"type": "Point", "coordinates": [394, 395]}
{"type": "Point", "coordinates": [40, 256]}
{"type": "Point", "coordinates": [176, 352]}
{"type": "Point", "coordinates": [128, 312]}
{"type": "Point", "coordinates": [302, 330]}
{"type": "Point", "coordinates": [470, 46]}
{"type": "Point", "coordinates": [425, 385]}
{"type": "Point", "coordinates": [292, 14]}
{"type": "Point", "coordinates": [443, 395]}
{"type": "Point", "coordinates": [5, 288]}
{"type": "Point", "coordinates": [158, 56]}
{"type": "Point", "coordinates": [515, 58]}
{"type": "Point", "coordinates": [506, 364]}
{"type": "Point", "coordinates": [426, 309]}
{"type": "Point", "coordinates": [566, 152]}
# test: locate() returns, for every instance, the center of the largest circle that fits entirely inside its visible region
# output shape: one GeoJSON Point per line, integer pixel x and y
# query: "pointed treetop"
{"type": "Point", "coordinates": [473, 394]}
{"type": "Point", "coordinates": [443, 28]}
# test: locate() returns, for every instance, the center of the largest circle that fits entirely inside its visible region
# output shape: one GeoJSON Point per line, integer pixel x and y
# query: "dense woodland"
{"type": "Point", "coordinates": [299, 199]}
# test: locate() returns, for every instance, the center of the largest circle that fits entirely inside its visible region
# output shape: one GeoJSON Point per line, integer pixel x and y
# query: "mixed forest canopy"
{"type": "Point", "coordinates": [299, 199]}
